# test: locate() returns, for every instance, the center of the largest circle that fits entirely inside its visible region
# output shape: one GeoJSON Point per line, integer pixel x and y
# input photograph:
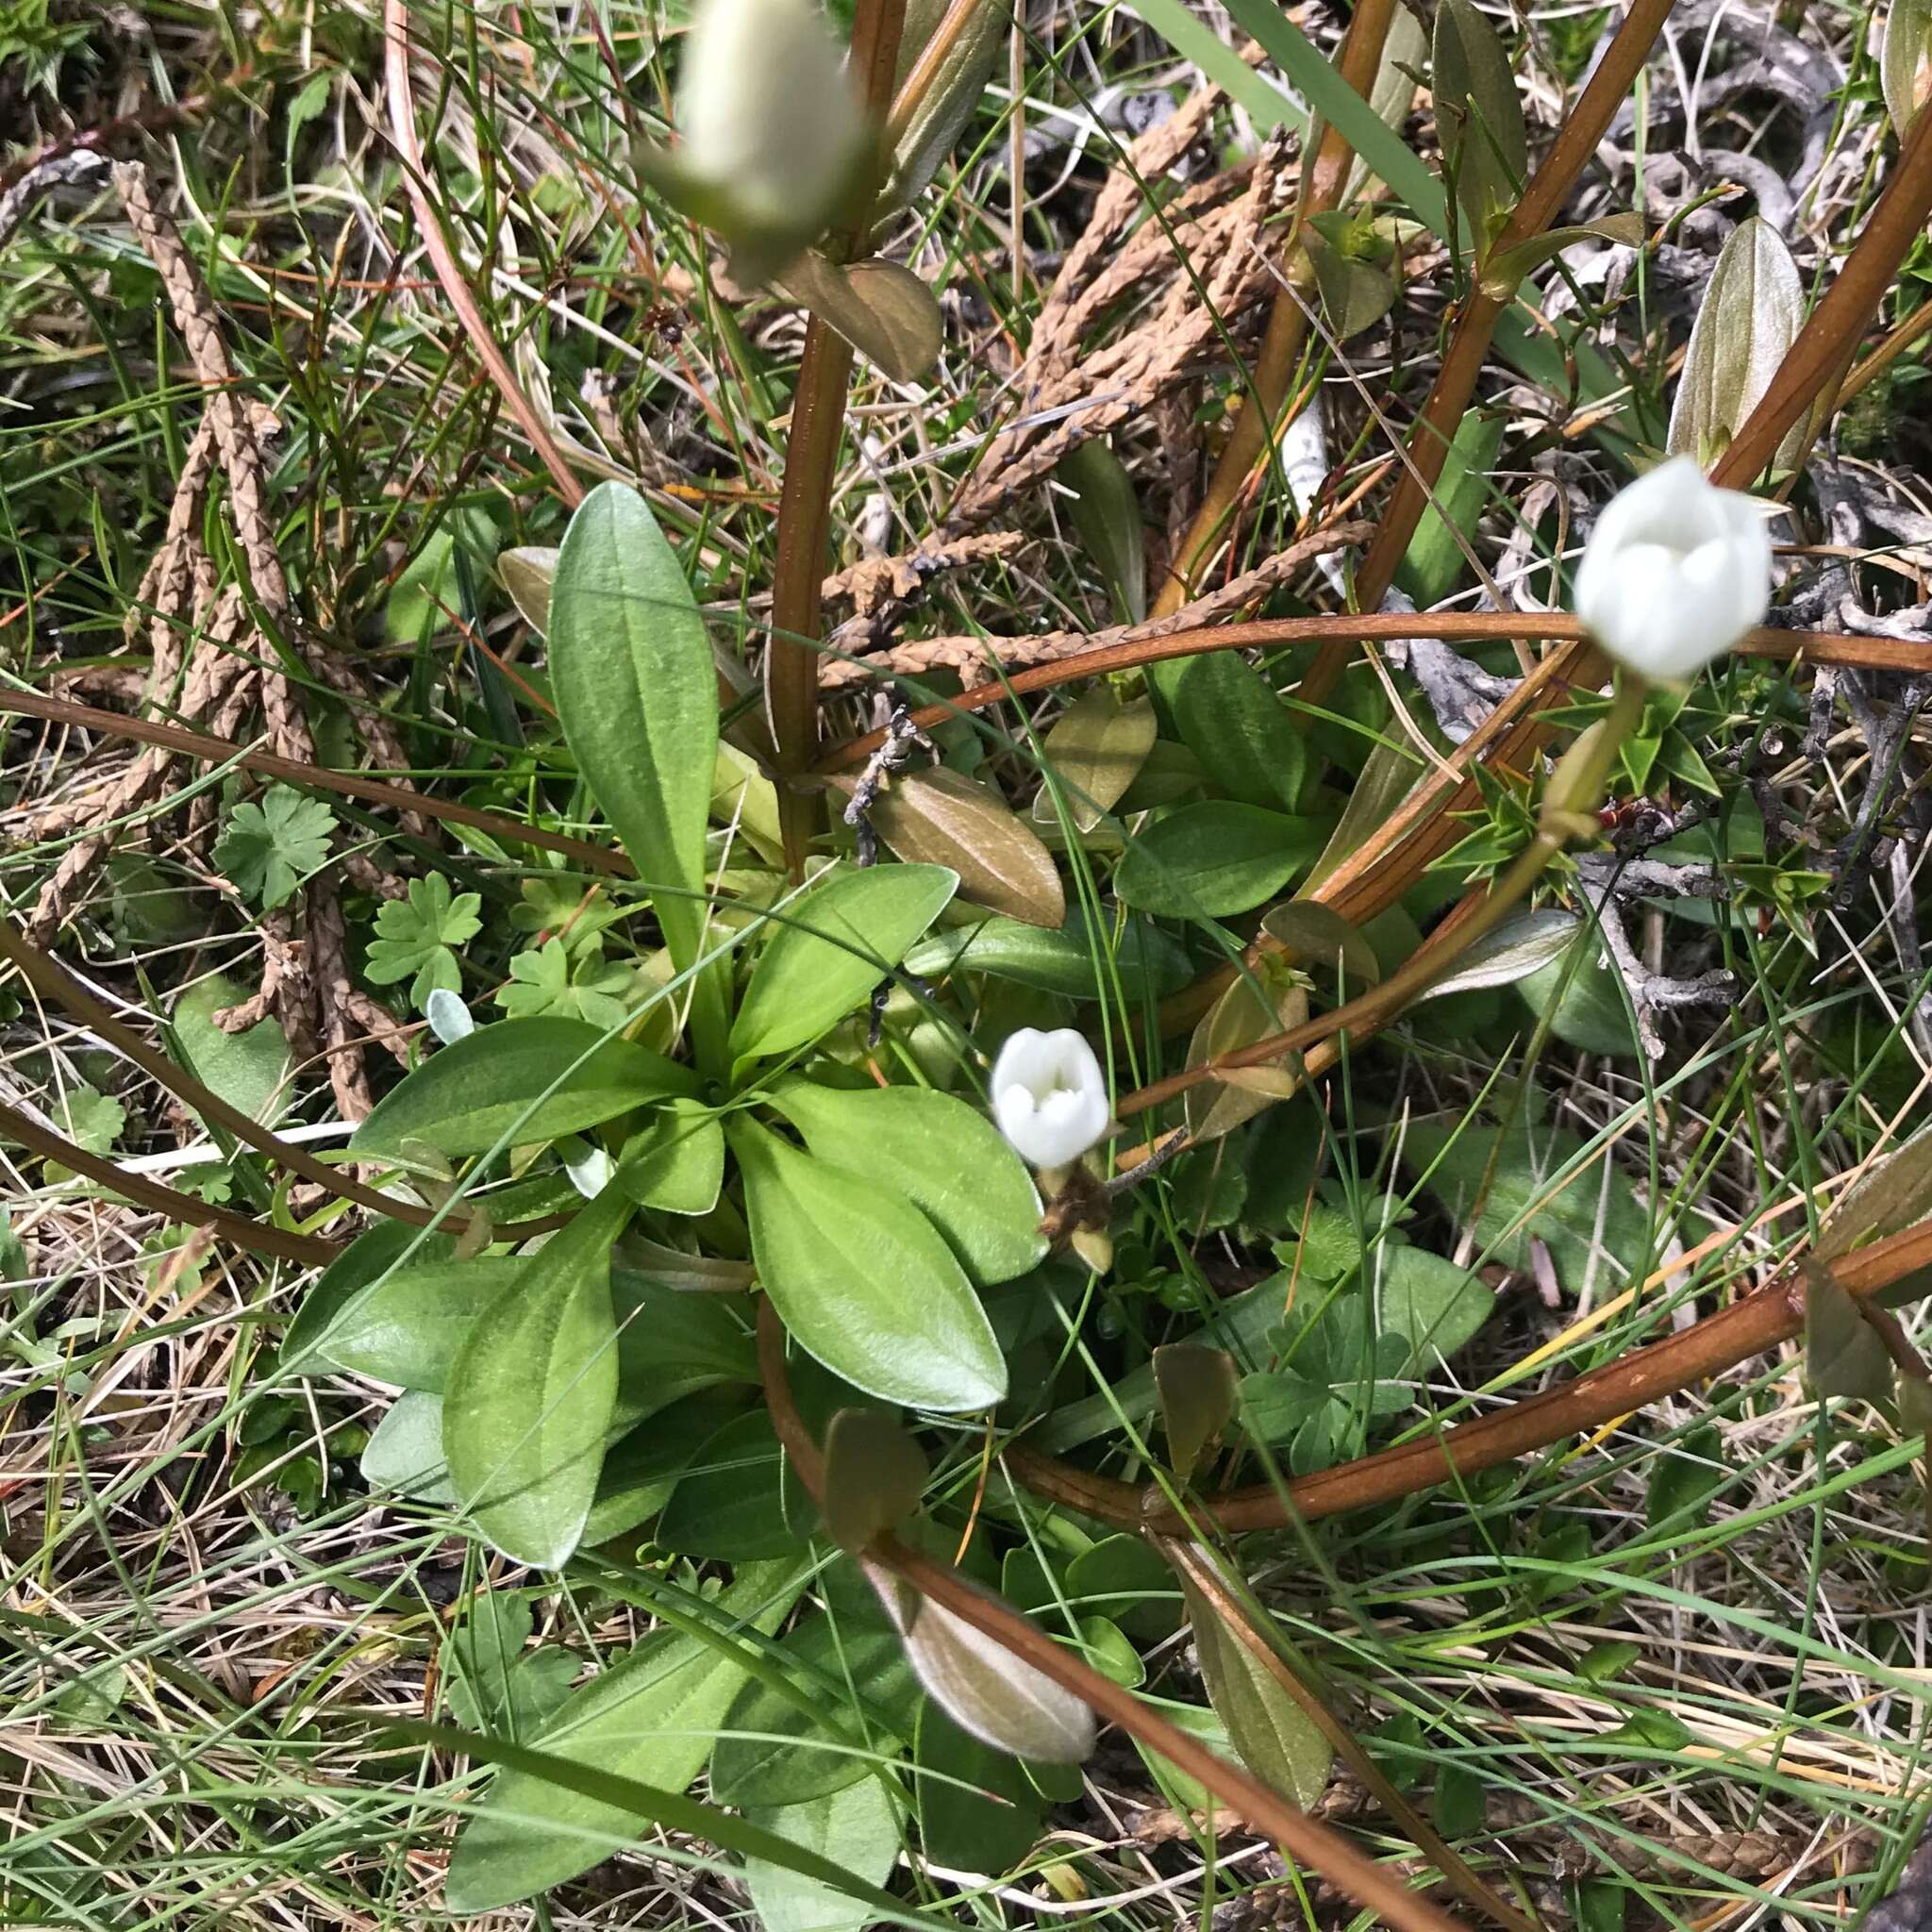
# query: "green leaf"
{"type": "Point", "coordinates": [1484, 147]}
{"type": "Point", "coordinates": [248, 1069]}
{"type": "Point", "coordinates": [1906, 48]}
{"type": "Point", "coordinates": [1584, 1001]}
{"type": "Point", "coordinates": [571, 983]}
{"type": "Point", "coordinates": [1234, 722]}
{"type": "Point", "coordinates": [858, 1828]}
{"type": "Point", "coordinates": [268, 850]}
{"type": "Point", "coordinates": [417, 937]}
{"type": "Point", "coordinates": [1196, 42]}
{"type": "Point", "coordinates": [529, 1397]}
{"type": "Point", "coordinates": [90, 1117]}
{"type": "Point", "coordinates": [494, 1683]}
{"type": "Point", "coordinates": [1513, 951]}
{"type": "Point", "coordinates": [404, 1452]}
{"type": "Point", "coordinates": [839, 941]}
{"type": "Point", "coordinates": [848, 1661]}
{"type": "Point", "coordinates": [522, 1081]}
{"type": "Point", "coordinates": [1844, 1354]}
{"type": "Point", "coordinates": [941, 818]}
{"type": "Point", "coordinates": [734, 1501]}
{"type": "Point", "coordinates": [406, 1327]}
{"type": "Point", "coordinates": [1355, 294]}
{"type": "Point", "coordinates": [1315, 77]}
{"type": "Point", "coordinates": [1539, 1186]}
{"type": "Point", "coordinates": [992, 1225]}
{"type": "Point", "coordinates": [1436, 1307]}
{"type": "Point", "coordinates": [1271, 1732]}
{"type": "Point", "coordinates": [1122, 1579]}
{"type": "Point", "coordinates": [863, 1279]}
{"type": "Point", "coordinates": [949, 103]}
{"type": "Point", "coordinates": [978, 1811]}
{"type": "Point", "coordinates": [1506, 268]}
{"type": "Point", "coordinates": [636, 691]}
{"type": "Point", "coordinates": [1323, 943]}
{"type": "Point", "coordinates": [1685, 1476]}
{"type": "Point", "coordinates": [655, 1711]}
{"type": "Point", "coordinates": [1216, 860]}
{"type": "Point", "coordinates": [1075, 961]}
{"type": "Point", "coordinates": [1438, 554]}
{"type": "Point", "coordinates": [676, 1164]}
{"type": "Point", "coordinates": [367, 1257]}
{"type": "Point", "coordinates": [1107, 516]}
{"type": "Point", "coordinates": [1095, 749]}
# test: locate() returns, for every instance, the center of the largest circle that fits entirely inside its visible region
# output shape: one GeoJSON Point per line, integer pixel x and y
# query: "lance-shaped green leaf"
{"type": "Point", "coordinates": [1752, 312]}
{"type": "Point", "coordinates": [1480, 118]}
{"type": "Point", "coordinates": [1271, 1732]}
{"type": "Point", "coordinates": [520, 1082]}
{"type": "Point", "coordinates": [1506, 267]}
{"type": "Point", "coordinates": [1905, 64]}
{"type": "Point", "coordinates": [676, 1165]}
{"type": "Point", "coordinates": [1001, 1699]}
{"type": "Point", "coordinates": [528, 1399]}
{"type": "Point", "coordinates": [863, 1280]}
{"type": "Point", "coordinates": [951, 1162]}
{"type": "Point", "coordinates": [881, 308]}
{"type": "Point", "coordinates": [1237, 726]}
{"type": "Point", "coordinates": [1082, 962]}
{"type": "Point", "coordinates": [1106, 514]}
{"type": "Point", "coordinates": [836, 943]}
{"type": "Point", "coordinates": [652, 1716]}
{"type": "Point", "coordinates": [636, 689]}
{"type": "Point", "coordinates": [947, 105]}
{"type": "Point", "coordinates": [857, 1829]}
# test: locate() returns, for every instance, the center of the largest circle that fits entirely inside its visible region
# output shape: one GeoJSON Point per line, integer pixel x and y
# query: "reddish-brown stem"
{"type": "Point", "coordinates": [804, 504]}
{"type": "Point", "coordinates": [52, 981]}
{"type": "Point", "coordinates": [805, 515]}
{"type": "Point", "coordinates": [197, 744]}
{"type": "Point", "coordinates": [1475, 325]}
{"type": "Point", "coordinates": [1451, 627]}
{"type": "Point", "coordinates": [262, 1237]}
{"type": "Point", "coordinates": [1758, 1320]}
{"type": "Point", "coordinates": [1323, 1850]}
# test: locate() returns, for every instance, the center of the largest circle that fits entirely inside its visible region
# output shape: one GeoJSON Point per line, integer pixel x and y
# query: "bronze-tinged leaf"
{"type": "Point", "coordinates": [1321, 942]}
{"type": "Point", "coordinates": [1246, 1012]}
{"type": "Point", "coordinates": [1844, 1354]}
{"type": "Point", "coordinates": [1001, 1699]}
{"type": "Point", "coordinates": [1886, 1198]}
{"type": "Point", "coordinates": [526, 573]}
{"type": "Point", "coordinates": [1271, 1732]}
{"type": "Point", "coordinates": [1097, 748]}
{"type": "Point", "coordinates": [881, 308]}
{"type": "Point", "coordinates": [940, 818]}
{"type": "Point", "coordinates": [874, 1476]}
{"type": "Point", "coordinates": [1198, 1393]}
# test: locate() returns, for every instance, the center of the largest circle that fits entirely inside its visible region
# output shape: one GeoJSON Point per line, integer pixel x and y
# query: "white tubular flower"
{"type": "Point", "coordinates": [1049, 1096]}
{"type": "Point", "coordinates": [1675, 571]}
{"type": "Point", "coordinates": [773, 125]}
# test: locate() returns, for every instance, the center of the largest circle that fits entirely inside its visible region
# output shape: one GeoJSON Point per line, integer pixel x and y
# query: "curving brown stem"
{"type": "Point", "coordinates": [1316, 1845]}
{"type": "Point", "coordinates": [1475, 322]}
{"type": "Point", "coordinates": [258, 1237]}
{"type": "Point", "coordinates": [1758, 1320]}
{"type": "Point", "coordinates": [804, 503]}
{"type": "Point", "coordinates": [1259, 422]}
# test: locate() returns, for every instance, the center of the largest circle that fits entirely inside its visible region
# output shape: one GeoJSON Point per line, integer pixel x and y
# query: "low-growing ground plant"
{"type": "Point", "coordinates": [964, 966]}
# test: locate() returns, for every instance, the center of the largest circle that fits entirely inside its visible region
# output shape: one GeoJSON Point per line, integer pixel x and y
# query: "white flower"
{"type": "Point", "coordinates": [1049, 1096]}
{"type": "Point", "coordinates": [1675, 571]}
{"type": "Point", "coordinates": [772, 121]}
